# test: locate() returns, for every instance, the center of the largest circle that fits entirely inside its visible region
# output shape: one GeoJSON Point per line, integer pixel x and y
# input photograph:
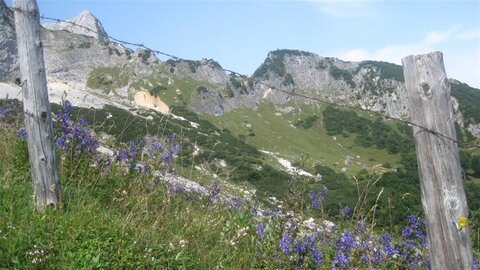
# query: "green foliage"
{"type": "Point", "coordinates": [129, 53]}
{"type": "Point", "coordinates": [386, 70]}
{"type": "Point", "coordinates": [465, 159]}
{"type": "Point", "coordinates": [84, 45]}
{"type": "Point", "coordinates": [19, 158]}
{"type": "Point", "coordinates": [145, 55]}
{"type": "Point", "coordinates": [476, 166]}
{"type": "Point", "coordinates": [156, 90]}
{"type": "Point", "coordinates": [274, 62]}
{"type": "Point", "coordinates": [108, 78]}
{"type": "Point", "coordinates": [230, 92]}
{"type": "Point", "coordinates": [250, 84]}
{"type": "Point", "coordinates": [128, 221]}
{"type": "Point", "coordinates": [468, 98]}
{"type": "Point", "coordinates": [369, 133]}
{"type": "Point", "coordinates": [172, 62]}
{"type": "Point", "coordinates": [238, 85]}
{"type": "Point", "coordinates": [307, 122]}
{"type": "Point", "coordinates": [212, 63]}
{"type": "Point", "coordinates": [112, 50]}
{"type": "Point", "coordinates": [202, 89]}
{"type": "Point", "coordinates": [242, 159]}
{"type": "Point", "coordinates": [288, 79]}
{"type": "Point", "coordinates": [235, 83]}
{"type": "Point", "coordinates": [339, 73]}
{"type": "Point", "coordinates": [193, 65]}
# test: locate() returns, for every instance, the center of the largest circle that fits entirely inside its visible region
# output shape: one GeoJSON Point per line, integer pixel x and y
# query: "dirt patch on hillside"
{"type": "Point", "coordinates": [145, 99]}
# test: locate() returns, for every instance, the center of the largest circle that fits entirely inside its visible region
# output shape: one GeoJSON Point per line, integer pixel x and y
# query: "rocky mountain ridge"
{"type": "Point", "coordinates": [76, 56]}
{"type": "Point", "coordinates": [84, 24]}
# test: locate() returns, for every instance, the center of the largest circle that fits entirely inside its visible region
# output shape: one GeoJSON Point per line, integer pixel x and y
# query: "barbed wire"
{"type": "Point", "coordinates": [255, 80]}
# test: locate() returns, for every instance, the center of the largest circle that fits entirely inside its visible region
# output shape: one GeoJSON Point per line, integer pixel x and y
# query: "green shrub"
{"type": "Point", "coordinates": [339, 73]}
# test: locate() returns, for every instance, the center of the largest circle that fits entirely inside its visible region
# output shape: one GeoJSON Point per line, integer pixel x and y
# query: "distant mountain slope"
{"type": "Point", "coordinates": [78, 57]}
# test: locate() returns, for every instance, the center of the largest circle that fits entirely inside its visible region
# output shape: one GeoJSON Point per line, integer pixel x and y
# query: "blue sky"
{"type": "Point", "coordinates": [239, 34]}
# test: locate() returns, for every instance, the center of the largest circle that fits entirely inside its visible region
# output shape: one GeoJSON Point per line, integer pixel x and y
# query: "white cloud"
{"type": "Point", "coordinates": [355, 55]}
{"type": "Point", "coordinates": [344, 8]}
{"type": "Point", "coordinates": [462, 64]}
{"type": "Point", "coordinates": [436, 37]}
{"type": "Point", "coordinates": [470, 34]}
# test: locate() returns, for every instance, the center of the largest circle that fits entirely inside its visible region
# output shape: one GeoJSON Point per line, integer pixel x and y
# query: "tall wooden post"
{"type": "Point", "coordinates": [38, 122]}
{"type": "Point", "coordinates": [443, 196]}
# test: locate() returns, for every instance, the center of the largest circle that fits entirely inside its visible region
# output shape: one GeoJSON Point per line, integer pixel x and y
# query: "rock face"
{"type": "Point", "coordinates": [71, 57]}
{"type": "Point", "coordinates": [8, 42]}
{"type": "Point", "coordinates": [362, 84]}
{"type": "Point", "coordinates": [376, 86]}
{"type": "Point", "coordinates": [85, 24]}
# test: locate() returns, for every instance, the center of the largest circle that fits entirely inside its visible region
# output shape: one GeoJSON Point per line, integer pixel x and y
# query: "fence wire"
{"type": "Point", "coordinates": [257, 81]}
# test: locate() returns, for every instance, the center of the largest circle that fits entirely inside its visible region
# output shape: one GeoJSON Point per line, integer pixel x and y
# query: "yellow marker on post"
{"type": "Point", "coordinates": [462, 223]}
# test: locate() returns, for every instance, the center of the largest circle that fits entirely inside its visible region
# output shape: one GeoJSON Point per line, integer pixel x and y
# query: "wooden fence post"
{"type": "Point", "coordinates": [443, 197]}
{"type": "Point", "coordinates": [36, 106]}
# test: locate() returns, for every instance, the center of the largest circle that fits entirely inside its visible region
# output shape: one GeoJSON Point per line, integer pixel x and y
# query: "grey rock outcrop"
{"type": "Point", "coordinates": [71, 57]}
{"type": "Point", "coordinates": [8, 42]}
{"type": "Point", "coordinates": [337, 81]}
{"type": "Point", "coordinates": [84, 24]}
{"type": "Point", "coordinates": [330, 79]}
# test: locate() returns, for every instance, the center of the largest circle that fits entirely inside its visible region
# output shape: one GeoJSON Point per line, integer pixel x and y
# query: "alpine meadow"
{"type": "Point", "coordinates": [310, 162]}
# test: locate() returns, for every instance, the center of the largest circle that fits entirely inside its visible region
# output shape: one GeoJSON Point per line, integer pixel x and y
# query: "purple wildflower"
{"type": "Point", "coordinates": [81, 121]}
{"type": "Point", "coordinates": [414, 230]}
{"type": "Point", "coordinates": [260, 230]}
{"type": "Point", "coordinates": [213, 191]}
{"type": "Point", "coordinates": [345, 212]}
{"type": "Point", "coordinates": [157, 145]}
{"type": "Point", "coordinates": [234, 203]}
{"type": "Point", "coordinates": [317, 198]}
{"type": "Point", "coordinates": [346, 242]}
{"type": "Point", "coordinates": [388, 248]}
{"type": "Point", "coordinates": [22, 133]}
{"type": "Point", "coordinates": [299, 246]}
{"type": "Point", "coordinates": [285, 244]}
{"type": "Point", "coordinates": [268, 212]}
{"type": "Point", "coordinates": [342, 260]}
{"type": "Point", "coordinates": [316, 255]}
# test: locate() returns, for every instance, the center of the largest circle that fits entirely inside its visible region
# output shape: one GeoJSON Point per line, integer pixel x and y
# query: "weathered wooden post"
{"type": "Point", "coordinates": [38, 122]}
{"type": "Point", "coordinates": [443, 196]}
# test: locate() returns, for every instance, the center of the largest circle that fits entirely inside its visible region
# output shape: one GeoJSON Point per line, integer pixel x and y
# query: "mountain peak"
{"type": "Point", "coordinates": [82, 21]}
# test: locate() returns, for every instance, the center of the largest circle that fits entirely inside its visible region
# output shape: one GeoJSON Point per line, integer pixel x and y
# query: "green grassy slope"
{"type": "Point", "coordinates": [276, 133]}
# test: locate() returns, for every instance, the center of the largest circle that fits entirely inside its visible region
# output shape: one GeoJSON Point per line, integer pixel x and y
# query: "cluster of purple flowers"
{"type": "Point", "coordinates": [285, 244]}
{"type": "Point", "coordinates": [345, 244]}
{"type": "Point", "coordinates": [414, 240]}
{"type": "Point", "coordinates": [175, 190]}
{"type": "Point", "coordinates": [130, 155]}
{"type": "Point", "coordinates": [73, 136]}
{"type": "Point", "coordinates": [357, 248]}
{"type": "Point", "coordinates": [260, 230]}
{"type": "Point", "coordinates": [213, 191]}
{"type": "Point", "coordinates": [149, 154]}
{"type": "Point", "coordinates": [301, 250]}
{"type": "Point", "coordinates": [234, 203]}
{"type": "Point", "coordinates": [9, 110]}
{"type": "Point", "coordinates": [317, 198]}
{"type": "Point", "coordinates": [22, 133]}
